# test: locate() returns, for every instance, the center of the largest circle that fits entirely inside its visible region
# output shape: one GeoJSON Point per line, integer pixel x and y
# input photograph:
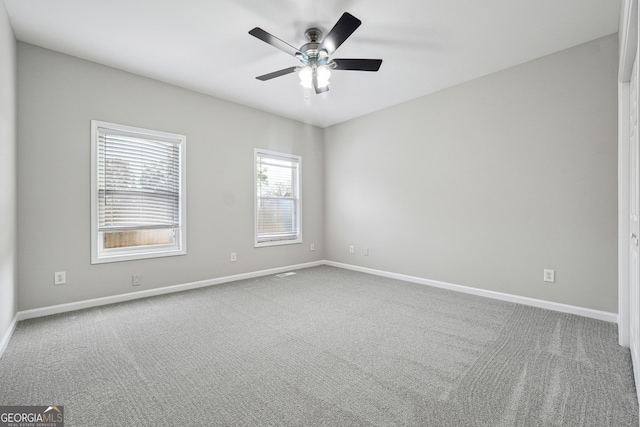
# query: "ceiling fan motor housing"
{"type": "Point", "coordinates": [313, 35]}
{"type": "Point", "coordinates": [312, 52]}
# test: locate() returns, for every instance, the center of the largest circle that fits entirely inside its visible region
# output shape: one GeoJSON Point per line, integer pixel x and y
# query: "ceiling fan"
{"type": "Point", "coordinates": [315, 55]}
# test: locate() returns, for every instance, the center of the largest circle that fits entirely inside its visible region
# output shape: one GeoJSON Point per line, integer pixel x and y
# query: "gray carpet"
{"type": "Point", "coordinates": [326, 347]}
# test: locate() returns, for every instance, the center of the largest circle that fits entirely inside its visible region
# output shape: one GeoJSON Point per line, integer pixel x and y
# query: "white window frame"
{"type": "Point", "coordinates": [277, 241]}
{"type": "Point", "coordinates": [101, 255]}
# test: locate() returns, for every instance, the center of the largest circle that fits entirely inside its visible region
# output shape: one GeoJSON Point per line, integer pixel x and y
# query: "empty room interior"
{"type": "Point", "coordinates": [320, 213]}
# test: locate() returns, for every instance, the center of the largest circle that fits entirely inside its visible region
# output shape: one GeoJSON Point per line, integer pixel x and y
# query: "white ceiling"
{"type": "Point", "coordinates": [426, 45]}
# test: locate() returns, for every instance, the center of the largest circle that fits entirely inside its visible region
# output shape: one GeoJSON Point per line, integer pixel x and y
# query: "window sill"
{"type": "Point", "coordinates": [277, 243]}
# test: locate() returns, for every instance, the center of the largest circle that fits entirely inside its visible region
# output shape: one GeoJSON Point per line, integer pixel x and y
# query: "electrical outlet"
{"type": "Point", "coordinates": [549, 276]}
{"type": "Point", "coordinates": [136, 280]}
{"type": "Point", "coordinates": [366, 251]}
{"type": "Point", "coordinates": [233, 257]}
{"type": "Point", "coordinates": [352, 250]}
{"type": "Point", "coordinates": [59, 277]}
{"type": "Point", "coordinates": [312, 247]}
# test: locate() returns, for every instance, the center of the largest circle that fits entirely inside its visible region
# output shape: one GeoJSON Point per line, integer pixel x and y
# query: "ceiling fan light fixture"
{"type": "Point", "coordinates": [323, 76]}
{"type": "Point", "coordinates": [306, 77]}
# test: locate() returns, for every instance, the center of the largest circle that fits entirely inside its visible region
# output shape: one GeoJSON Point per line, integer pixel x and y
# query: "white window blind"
{"type": "Point", "coordinates": [138, 182]}
{"type": "Point", "coordinates": [138, 193]}
{"type": "Point", "coordinates": [277, 198]}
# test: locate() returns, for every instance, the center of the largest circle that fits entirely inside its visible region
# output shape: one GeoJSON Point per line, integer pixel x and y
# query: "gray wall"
{"type": "Point", "coordinates": [488, 183]}
{"type": "Point", "coordinates": [8, 271]}
{"type": "Point", "coordinates": [58, 95]}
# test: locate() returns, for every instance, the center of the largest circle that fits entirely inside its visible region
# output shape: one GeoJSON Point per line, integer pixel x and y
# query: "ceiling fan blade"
{"type": "Point", "coordinates": [357, 64]}
{"type": "Point", "coordinates": [277, 74]}
{"type": "Point", "coordinates": [345, 26]}
{"type": "Point", "coordinates": [274, 41]}
{"type": "Point", "coordinates": [318, 89]}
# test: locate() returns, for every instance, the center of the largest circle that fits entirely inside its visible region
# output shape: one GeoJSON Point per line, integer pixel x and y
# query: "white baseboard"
{"type": "Point", "coordinates": [7, 336]}
{"type": "Point", "coordinates": [555, 306]}
{"type": "Point", "coordinates": [79, 305]}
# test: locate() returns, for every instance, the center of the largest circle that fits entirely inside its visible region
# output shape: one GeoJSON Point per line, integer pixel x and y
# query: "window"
{"type": "Point", "coordinates": [277, 204]}
{"type": "Point", "coordinates": [138, 197]}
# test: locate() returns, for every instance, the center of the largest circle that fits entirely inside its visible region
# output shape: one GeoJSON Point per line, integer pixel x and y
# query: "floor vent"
{"type": "Point", "coordinates": [291, 273]}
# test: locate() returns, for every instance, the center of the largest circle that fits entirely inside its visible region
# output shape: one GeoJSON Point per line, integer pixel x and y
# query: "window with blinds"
{"type": "Point", "coordinates": [138, 197]}
{"type": "Point", "coordinates": [277, 190]}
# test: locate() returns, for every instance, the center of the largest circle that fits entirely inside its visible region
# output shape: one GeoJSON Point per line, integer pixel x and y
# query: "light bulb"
{"type": "Point", "coordinates": [306, 76]}
{"type": "Point", "coordinates": [323, 74]}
